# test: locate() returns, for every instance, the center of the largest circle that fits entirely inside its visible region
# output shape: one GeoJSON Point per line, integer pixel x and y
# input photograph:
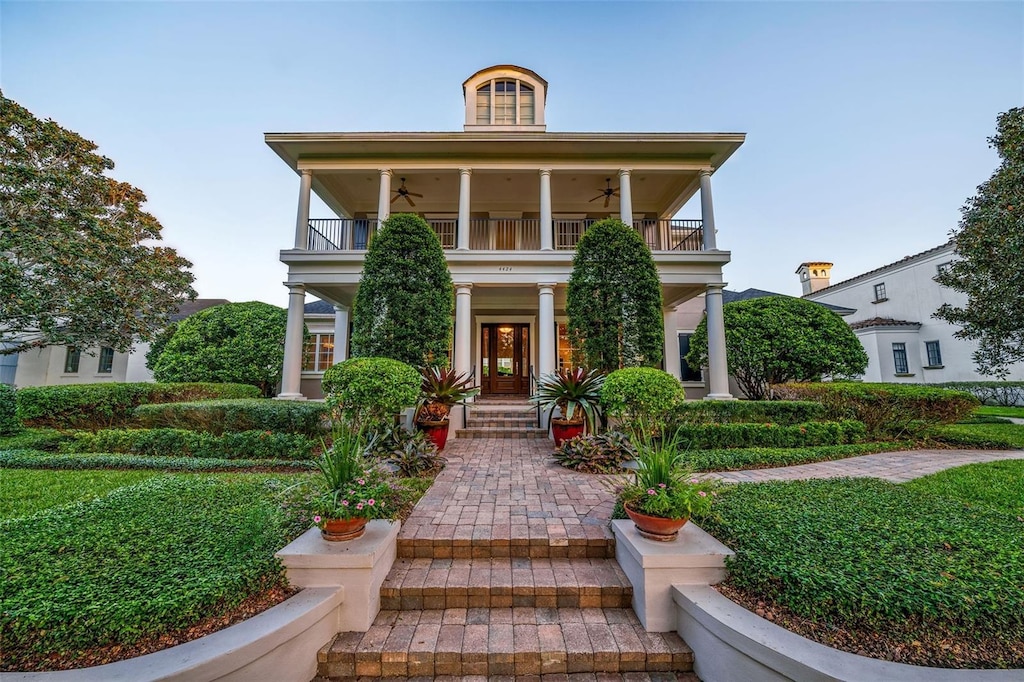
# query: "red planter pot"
{"type": "Point", "coordinates": [563, 430]}
{"type": "Point", "coordinates": [656, 528]}
{"type": "Point", "coordinates": [339, 530]}
{"type": "Point", "coordinates": [437, 432]}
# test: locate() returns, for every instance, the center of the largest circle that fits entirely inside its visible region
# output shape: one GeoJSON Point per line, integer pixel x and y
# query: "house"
{"type": "Point", "coordinates": [893, 319]}
{"type": "Point", "coordinates": [508, 201]}
{"type": "Point", "coordinates": [55, 365]}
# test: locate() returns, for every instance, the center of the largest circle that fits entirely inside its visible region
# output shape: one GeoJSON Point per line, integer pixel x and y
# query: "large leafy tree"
{"type": "Point", "coordinates": [990, 244]}
{"type": "Point", "coordinates": [78, 265]}
{"type": "Point", "coordinates": [613, 300]}
{"type": "Point", "coordinates": [775, 339]}
{"type": "Point", "coordinates": [235, 342]}
{"type": "Point", "coordinates": [403, 309]}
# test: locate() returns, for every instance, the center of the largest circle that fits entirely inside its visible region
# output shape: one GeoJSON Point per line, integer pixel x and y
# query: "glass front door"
{"type": "Point", "coordinates": [505, 359]}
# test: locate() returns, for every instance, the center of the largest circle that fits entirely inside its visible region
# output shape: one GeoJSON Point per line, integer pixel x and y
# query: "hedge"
{"type": "Point", "coordinates": [738, 459]}
{"type": "Point", "coordinates": [96, 406]}
{"type": "Point", "coordinates": [641, 396]}
{"type": "Point", "coordinates": [184, 443]}
{"type": "Point", "coordinates": [708, 436]}
{"type": "Point", "coordinates": [36, 439]}
{"type": "Point", "coordinates": [9, 422]}
{"type": "Point", "coordinates": [785, 412]}
{"type": "Point", "coordinates": [887, 410]}
{"type": "Point", "coordinates": [221, 416]}
{"type": "Point", "coordinates": [34, 459]}
{"type": "Point", "coordinates": [369, 391]}
{"type": "Point", "coordinates": [1002, 393]}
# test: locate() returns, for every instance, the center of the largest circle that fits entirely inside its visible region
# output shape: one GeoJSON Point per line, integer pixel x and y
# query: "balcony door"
{"type": "Point", "coordinates": [505, 359]}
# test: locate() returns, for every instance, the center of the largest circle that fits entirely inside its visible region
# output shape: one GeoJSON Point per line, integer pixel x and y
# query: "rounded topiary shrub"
{"type": "Point", "coordinates": [369, 391]}
{"type": "Point", "coordinates": [642, 397]}
{"type": "Point", "coordinates": [9, 422]}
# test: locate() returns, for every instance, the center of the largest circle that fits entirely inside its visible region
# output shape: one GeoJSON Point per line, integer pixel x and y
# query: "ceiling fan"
{"type": "Point", "coordinates": [403, 192]}
{"type": "Point", "coordinates": [607, 193]}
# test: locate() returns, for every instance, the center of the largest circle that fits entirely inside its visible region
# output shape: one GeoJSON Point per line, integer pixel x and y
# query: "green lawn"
{"type": "Point", "coordinates": [28, 491]}
{"type": "Point", "coordinates": [1001, 411]}
{"type": "Point", "coordinates": [924, 564]}
{"type": "Point", "coordinates": [1005, 436]}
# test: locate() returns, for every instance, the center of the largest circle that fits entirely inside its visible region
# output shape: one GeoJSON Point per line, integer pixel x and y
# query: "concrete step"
{"type": "Point", "coordinates": [504, 641]}
{"type": "Point", "coordinates": [501, 432]}
{"type": "Point", "coordinates": [505, 582]}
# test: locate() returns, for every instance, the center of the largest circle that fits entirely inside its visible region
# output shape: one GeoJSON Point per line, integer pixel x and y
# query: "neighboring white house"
{"type": "Point", "coordinates": [54, 365]}
{"type": "Point", "coordinates": [508, 201]}
{"type": "Point", "coordinates": [893, 319]}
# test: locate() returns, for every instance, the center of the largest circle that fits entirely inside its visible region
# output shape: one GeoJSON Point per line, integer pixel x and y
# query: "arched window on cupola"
{"type": "Point", "coordinates": [497, 103]}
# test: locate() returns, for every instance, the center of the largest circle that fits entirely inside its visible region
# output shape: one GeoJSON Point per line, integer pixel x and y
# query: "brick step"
{"type": "Point", "coordinates": [505, 582]}
{"type": "Point", "coordinates": [487, 432]}
{"type": "Point", "coordinates": [514, 641]}
{"type": "Point", "coordinates": [587, 542]}
{"type": "Point", "coordinates": [563, 677]}
{"type": "Point", "coordinates": [502, 411]}
{"type": "Point", "coordinates": [489, 418]}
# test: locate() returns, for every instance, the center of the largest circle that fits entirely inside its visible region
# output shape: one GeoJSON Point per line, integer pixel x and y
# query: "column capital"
{"type": "Point", "coordinates": [462, 287]}
{"type": "Point", "coordinates": [625, 171]}
{"type": "Point", "coordinates": [295, 288]}
{"type": "Point", "coordinates": [465, 171]}
{"type": "Point", "coordinates": [547, 288]}
{"type": "Point", "coordinates": [306, 171]}
{"type": "Point", "coordinates": [706, 172]}
{"type": "Point", "coordinates": [385, 171]}
{"type": "Point", "coordinates": [717, 286]}
{"type": "Point", "coordinates": [545, 171]}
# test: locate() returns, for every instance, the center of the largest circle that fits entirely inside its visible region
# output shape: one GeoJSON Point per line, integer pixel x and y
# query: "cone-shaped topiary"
{"type": "Point", "coordinates": [403, 309]}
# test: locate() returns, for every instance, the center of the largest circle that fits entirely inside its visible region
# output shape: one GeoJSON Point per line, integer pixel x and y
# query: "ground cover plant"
{"type": "Point", "coordinates": [35, 459]}
{"type": "Point", "coordinates": [736, 459]}
{"type": "Point", "coordinates": [891, 571]}
{"type": "Point", "coordinates": [603, 453]}
{"type": "Point", "coordinates": [994, 436]}
{"type": "Point", "coordinates": [27, 491]}
{"type": "Point", "coordinates": [992, 411]}
{"type": "Point", "coordinates": [77, 576]}
{"type": "Point", "coordinates": [998, 485]}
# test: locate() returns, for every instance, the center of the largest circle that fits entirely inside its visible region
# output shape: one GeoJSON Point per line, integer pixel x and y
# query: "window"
{"type": "Point", "coordinates": [686, 373]}
{"type": "Point", "coordinates": [71, 360]}
{"type": "Point", "coordinates": [567, 356]}
{"type": "Point", "coordinates": [899, 356]}
{"type": "Point", "coordinates": [943, 268]}
{"type": "Point", "coordinates": [934, 353]}
{"type": "Point", "coordinates": [317, 352]}
{"type": "Point", "coordinates": [501, 106]}
{"type": "Point", "coordinates": [106, 365]}
{"type": "Point", "coordinates": [880, 292]}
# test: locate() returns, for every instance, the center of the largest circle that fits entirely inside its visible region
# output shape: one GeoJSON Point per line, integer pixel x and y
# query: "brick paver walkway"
{"type": "Point", "coordinates": [891, 466]}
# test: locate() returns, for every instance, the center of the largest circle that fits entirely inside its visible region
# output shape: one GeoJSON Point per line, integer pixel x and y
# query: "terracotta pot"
{"type": "Point", "coordinates": [563, 430]}
{"type": "Point", "coordinates": [437, 432]}
{"type": "Point", "coordinates": [656, 527]}
{"type": "Point", "coordinates": [339, 530]}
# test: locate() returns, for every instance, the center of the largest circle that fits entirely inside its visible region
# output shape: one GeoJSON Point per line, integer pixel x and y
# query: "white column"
{"type": "Point", "coordinates": [546, 334]}
{"type": "Point", "coordinates": [463, 229]}
{"type": "Point", "coordinates": [718, 367]}
{"type": "Point", "coordinates": [707, 211]}
{"type": "Point", "coordinates": [302, 218]}
{"type": "Point", "coordinates": [340, 334]}
{"type": "Point", "coordinates": [384, 198]}
{"type": "Point", "coordinates": [463, 360]}
{"type": "Point", "coordinates": [545, 210]}
{"type": "Point", "coordinates": [291, 376]}
{"type": "Point", "coordinates": [625, 197]}
{"type": "Point", "coordinates": [671, 343]}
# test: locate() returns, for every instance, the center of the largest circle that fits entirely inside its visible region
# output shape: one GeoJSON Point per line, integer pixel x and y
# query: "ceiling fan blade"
{"type": "Point", "coordinates": [615, 193]}
{"type": "Point", "coordinates": [413, 194]}
{"type": "Point", "coordinates": [411, 202]}
{"type": "Point", "coordinates": [395, 198]}
{"type": "Point", "coordinates": [595, 198]}
{"type": "Point", "coordinates": [606, 200]}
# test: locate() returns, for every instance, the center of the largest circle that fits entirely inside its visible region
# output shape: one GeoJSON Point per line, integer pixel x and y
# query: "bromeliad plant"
{"type": "Point", "coordinates": [440, 390]}
{"type": "Point", "coordinates": [575, 392]}
{"type": "Point", "coordinates": [349, 488]}
{"type": "Point", "coordinates": [663, 486]}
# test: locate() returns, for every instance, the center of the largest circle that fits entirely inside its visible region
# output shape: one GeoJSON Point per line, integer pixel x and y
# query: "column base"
{"type": "Point", "coordinates": [720, 396]}
{"type": "Point", "coordinates": [290, 396]}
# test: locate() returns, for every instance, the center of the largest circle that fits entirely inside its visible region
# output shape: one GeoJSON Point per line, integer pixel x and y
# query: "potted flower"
{"type": "Point", "coordinates": [576, 393]}
{"type": "Point", "coordinates": [664, 495]}
{"type": "Point", "coordinates": [351, 493]}
{"type": "Point", "coordinates": [440, 390]}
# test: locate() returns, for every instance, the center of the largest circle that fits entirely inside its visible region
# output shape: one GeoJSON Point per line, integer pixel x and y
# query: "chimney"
{"type": "Point", "coordinates": [814, 276]}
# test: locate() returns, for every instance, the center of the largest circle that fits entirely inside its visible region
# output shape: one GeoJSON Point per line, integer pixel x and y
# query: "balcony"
{"type": "Point", "coordinates": [504, 234]}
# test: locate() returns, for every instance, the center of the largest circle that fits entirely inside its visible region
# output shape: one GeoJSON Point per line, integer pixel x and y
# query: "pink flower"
{"type": "Point", "coordinates": [702, 493]}
{"type": "Point", "coordinates": [344, 503]}
{"type": "Point", "coordinates": [694, 480]}
{"type": "Point", "coordinates": [371, 502]}
{"type": "Point", "coordinates": [359, 505]}
{"type": "Point", "coordinates": [316, 519]}
{"type": "Point", "coordinates": [361, 481]}
{"type": "Point", "coordinates": [662, 486]}
{"type": "Point", "coordinates": [650, 491]}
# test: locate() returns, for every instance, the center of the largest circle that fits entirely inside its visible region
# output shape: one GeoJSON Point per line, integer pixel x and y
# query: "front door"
{"type": "Point", "coordinates": [505, 359]}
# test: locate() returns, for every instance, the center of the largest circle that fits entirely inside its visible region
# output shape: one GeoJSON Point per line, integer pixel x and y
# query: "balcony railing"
{"type": "Point", "coordinates": [504, 234]}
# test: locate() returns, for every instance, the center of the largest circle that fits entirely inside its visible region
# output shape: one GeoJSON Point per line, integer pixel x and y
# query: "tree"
{"type": "Point", "coordinates": [990, 246]}
{"type": "Point", "coordinates": [614, 299]}
{"type": "Point", "coordinates": [77, 266]}
{"type": "Point", "coordinates": [235, 342]}
{"type": "Point", "coordinates": [775, 339]}
{"type": "Point", "coordinates": [403, 309]}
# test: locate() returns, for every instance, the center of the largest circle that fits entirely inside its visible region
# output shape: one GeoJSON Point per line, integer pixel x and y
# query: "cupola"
{"type": "Point", "coordinates": [505, 98]}
{"type": "Point", "coordinates": [814, 276]}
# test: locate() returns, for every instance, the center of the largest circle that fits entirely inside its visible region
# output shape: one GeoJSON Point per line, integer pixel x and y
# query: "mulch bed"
{"type": "Point", "coordinates": [909, 644]}
{"type": "Point", "coordinates": [117, 652]}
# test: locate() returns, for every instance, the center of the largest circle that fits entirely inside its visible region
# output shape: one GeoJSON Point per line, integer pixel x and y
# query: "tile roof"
{"type": "Point", "coordinates": [869, 273]}
{"type": "Point", "coordinates": [747, 294]}
{"type": "Point", "coordinates": [319, 308]}
{"type": "Point", "coordinates": [883, 322]}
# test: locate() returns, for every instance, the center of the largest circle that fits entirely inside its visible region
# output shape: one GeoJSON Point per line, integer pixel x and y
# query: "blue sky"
{"type": "Point", "coordinates": [866, 122]}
